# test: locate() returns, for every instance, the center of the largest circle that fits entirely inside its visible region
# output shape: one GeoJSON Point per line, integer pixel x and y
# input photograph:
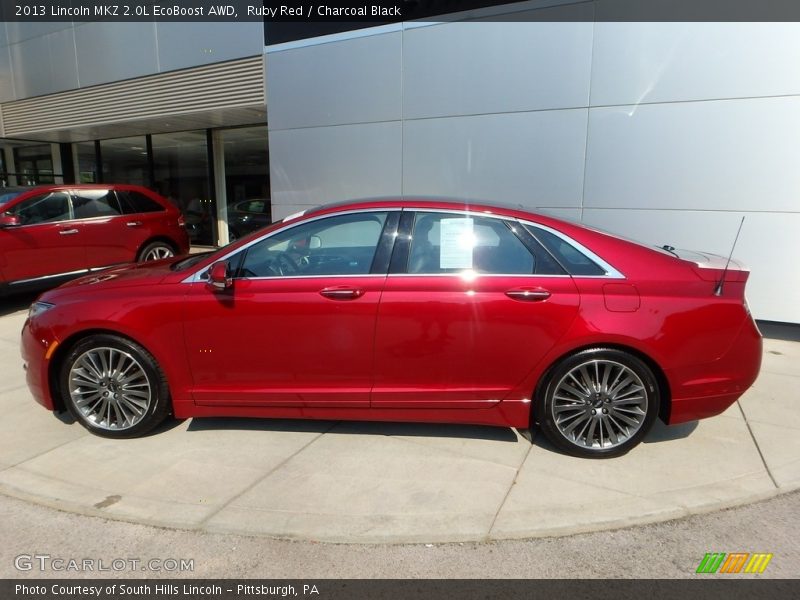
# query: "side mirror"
{"type": "Point", "coordinates": [9, 221]}
{"type": "Point", "coordinates": [315, 242]}
{"type": "Point", "coordinates": [218, 279]}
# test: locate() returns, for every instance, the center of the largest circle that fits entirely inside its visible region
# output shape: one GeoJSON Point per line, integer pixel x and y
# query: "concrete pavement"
{"type": "Point", "coordinates": [385, 482]}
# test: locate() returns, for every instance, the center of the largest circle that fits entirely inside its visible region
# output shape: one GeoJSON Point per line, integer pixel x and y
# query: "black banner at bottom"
{"type": "Point", "coordinates": [701, 588]}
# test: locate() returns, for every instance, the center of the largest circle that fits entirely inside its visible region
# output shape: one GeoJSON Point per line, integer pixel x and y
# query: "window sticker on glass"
{"type": "Point", "coordinates": [457, 241]}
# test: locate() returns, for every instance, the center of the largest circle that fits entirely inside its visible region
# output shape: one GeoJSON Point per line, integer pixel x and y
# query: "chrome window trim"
{"type": "Point", "coordinates": [465, 212]}
{"type": "Point", "coordinates": [611, 272]}
{"type": "Point", "coordinates": [195, 277]}
{"type": "Point", "coordinates": [44, 277]}
{"type": "Point", "coordinates": [85, 271]}
{"type": "Point", "coordinates": [283, 277]}
{"type": "Point", "coordinates": [478, 275]}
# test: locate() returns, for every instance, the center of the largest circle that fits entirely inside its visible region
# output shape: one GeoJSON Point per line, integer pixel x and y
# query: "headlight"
{"type": "Point", "coordinates": [38, 308]}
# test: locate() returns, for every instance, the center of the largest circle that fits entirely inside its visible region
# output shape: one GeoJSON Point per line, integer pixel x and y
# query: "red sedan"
{"type": "Point", "coordinates": [406, 310]}
{"type": "Point", "coordinates": [53, 233]}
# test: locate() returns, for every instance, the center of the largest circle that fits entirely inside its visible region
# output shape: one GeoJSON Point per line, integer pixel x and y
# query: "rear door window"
{"type": "Point", "coordinates": [88, 204]}
{"type": "Point", "coordinates": [452, 243]}
{"type": "Point", "coordinates": [573, 260]}
{"type": "Point", "coordinates": [133, 202]}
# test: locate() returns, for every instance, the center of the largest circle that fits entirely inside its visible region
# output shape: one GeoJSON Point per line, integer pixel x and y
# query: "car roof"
{"type": "Point", "coordinates": [516, 211]}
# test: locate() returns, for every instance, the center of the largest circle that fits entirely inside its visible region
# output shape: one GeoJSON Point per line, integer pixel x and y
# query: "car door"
{"type": "Point", "coordinates": [470, 306]}
{"type": "Point", "coordinates": [296, 327]}
{"type": "Point", "coordinates": [105, 233]}
{"type": "Point", "coordinates": [46, 241]}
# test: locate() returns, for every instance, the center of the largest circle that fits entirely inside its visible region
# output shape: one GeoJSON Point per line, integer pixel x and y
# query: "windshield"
{"type": "Point", "coordinates": [7, 196]}
{"type": "Point", "coordinates": [190, 261]}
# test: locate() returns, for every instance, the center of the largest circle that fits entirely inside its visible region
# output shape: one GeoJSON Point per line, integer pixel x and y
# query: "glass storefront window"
{"type": "Point", "coordinates": [34, 164]}
{"type": "Point", "coordinates": [247, 180]}
{"type": "Point", "coordinates": [181, 174]}
{"type": "Point", "coordinates": [85, 159]}
{"type": "Point", "coordinates": [125, 161]}
{"type": "Point", "coordinates": [3, 170]}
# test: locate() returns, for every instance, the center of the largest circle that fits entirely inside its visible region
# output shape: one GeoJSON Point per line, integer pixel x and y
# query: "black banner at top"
{"type": "Point", "coordinates": [360, 13]}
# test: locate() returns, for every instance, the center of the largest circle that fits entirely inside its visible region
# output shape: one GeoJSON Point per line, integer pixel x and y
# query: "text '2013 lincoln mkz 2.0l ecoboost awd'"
{"type": "Point", "coordinates": [406, 310]}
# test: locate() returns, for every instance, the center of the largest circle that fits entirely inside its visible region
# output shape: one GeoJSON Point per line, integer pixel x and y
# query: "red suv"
{"type": "Point", "coordinates": [52, 233]}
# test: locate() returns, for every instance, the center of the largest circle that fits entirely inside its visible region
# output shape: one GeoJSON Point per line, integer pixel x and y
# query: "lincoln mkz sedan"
{"type": "Point", "coordinates": [49, 234]}
{"type": "Point", "coordinates": [404, 310]}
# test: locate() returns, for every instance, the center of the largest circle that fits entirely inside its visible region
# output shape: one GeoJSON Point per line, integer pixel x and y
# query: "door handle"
{"type": "Point", "coordinates": [342, 293]}
{"type": "Point", "coordinates": [133, 223]}
{"type": "Point", "coordinates": [68, 232]}
{"type": "Point", "coordinates": [528, 294]}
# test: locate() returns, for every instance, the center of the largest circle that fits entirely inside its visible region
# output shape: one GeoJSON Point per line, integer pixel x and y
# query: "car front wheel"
{"type": "Point", "coordinates": [598, 403]}
{"type": "Point", "coordinates": [114, 387]}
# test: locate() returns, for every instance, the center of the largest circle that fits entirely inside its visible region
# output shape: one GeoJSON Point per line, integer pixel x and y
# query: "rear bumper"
{"type": "Point", "coordinates": [708, 390]}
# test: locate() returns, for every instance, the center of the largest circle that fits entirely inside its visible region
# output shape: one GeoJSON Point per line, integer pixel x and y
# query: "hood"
{"type": "Point", "coordinates": [150, 273]}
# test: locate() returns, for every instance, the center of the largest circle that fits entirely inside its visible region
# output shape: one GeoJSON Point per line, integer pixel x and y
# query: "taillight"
{"type": "Point", "coordinates": [181, 221]}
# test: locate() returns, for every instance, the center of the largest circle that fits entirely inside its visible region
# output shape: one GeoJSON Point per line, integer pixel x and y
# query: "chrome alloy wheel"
{"type": "Point", "coordinates": [110, 388]}
{"type": "Point", "coordinates": [599, 404]}
{"type": "Point", "coordinates": [157, 253]}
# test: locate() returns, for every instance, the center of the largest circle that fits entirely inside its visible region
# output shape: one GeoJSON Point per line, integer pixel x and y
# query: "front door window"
{"type": "Point", "coordinates": [341, 245]}
{"type": "Point", "coordinates": [47, 208]}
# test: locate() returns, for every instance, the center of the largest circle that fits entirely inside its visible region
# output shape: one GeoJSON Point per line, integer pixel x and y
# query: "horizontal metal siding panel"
{"type": "Point", "coordinates": [227, 85]}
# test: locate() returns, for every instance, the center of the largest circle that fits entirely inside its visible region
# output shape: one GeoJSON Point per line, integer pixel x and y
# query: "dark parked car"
{"type": "Point", "coordinates": [53, 233]}
{"type": "Point", "coordinates": [246, 216]}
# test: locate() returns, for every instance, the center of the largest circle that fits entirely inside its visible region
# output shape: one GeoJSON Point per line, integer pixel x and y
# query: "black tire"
{"type": "Point", "coordinates": [578, 402]}
{"type": "Point", "coordinates": [85, 388]}
{"type": "Point", "coordinates": [155, 251]}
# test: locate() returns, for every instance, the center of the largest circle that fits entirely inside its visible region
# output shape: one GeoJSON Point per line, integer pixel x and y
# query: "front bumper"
{"type": "Point", "coordinates": [38, 346]}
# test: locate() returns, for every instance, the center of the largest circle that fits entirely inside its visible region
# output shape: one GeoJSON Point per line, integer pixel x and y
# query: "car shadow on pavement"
{"type": "Point", "coordinates": [16, 303]}
{"type": "Point", "coordinates": [483, 432]}
{"type": "Point", "coordinates": [667, 433]}
{"type": "Point", "coordinates": [658, 434]}
{"type": "Point", "coordinates": [66, 417]}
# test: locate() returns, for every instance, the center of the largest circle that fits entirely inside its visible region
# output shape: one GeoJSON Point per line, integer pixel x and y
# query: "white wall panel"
{"type": "Point", "coordinates": [185, 45]}
{"type": "Point", "coordinates": [769, 246]}
{"type": "Point", "coordinates": [486, 67]}
{"type": "Point", "coordinates": [19, 31]}
{"type": "Point", "coordinates": [665, 62]}
{"type": "Point", "coordinates": [353, 81]}
{"type": "Point", "coordinates": [326, 164]}
{"type": "Point", "coordinates": [6, 75]}
{"type": "Point", "coordinates": [722, 155]}
{"type": "Point", "coordinates": [535, 159]}
{"type": "Point", "coordinates": [115, 51]}
{"type": "Point", "coordinates": [63, 63]}
{"type": "Point", "coordinates": [44, 65]}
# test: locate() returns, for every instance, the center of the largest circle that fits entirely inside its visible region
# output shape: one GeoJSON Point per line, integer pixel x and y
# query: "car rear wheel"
{"type": "Point", "coordinates": [155, 251]}
{"type": "Point", "coordinates": [114, 387]}
{"type": "Point", "coordinates": [598, 403]}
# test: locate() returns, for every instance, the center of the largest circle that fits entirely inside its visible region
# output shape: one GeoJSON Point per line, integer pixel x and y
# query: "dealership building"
{"type": "Point", "coordinates": [664, 132]}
